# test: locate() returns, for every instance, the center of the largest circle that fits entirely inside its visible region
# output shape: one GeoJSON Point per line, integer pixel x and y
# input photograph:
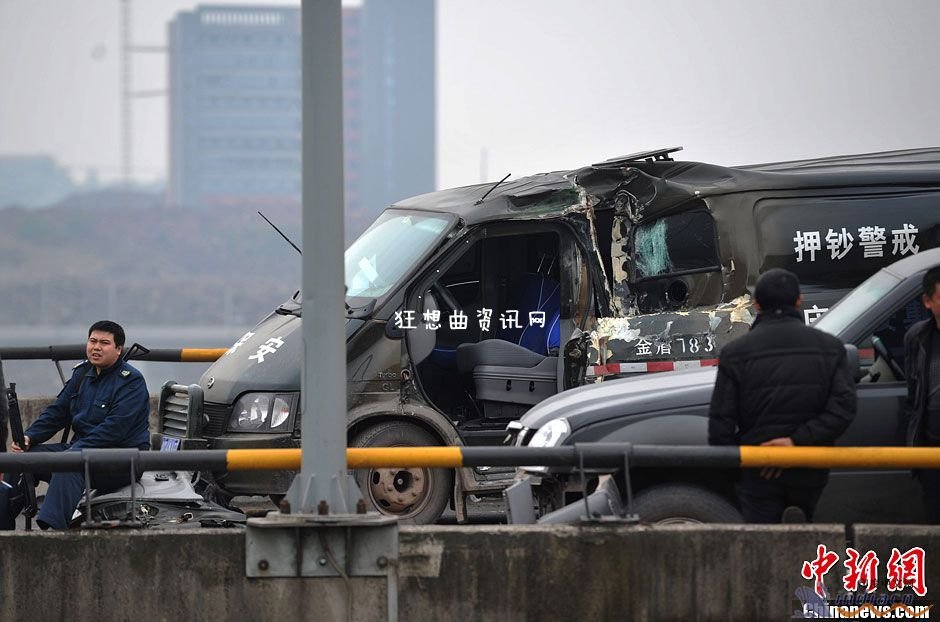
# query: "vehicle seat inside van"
{"type": "Point", "coordinates": [518, 368]}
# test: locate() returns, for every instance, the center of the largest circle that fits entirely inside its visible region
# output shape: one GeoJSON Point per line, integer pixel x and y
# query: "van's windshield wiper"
{"type": "Point", "coordinates": [291, 307]}
{"type": "Point", "coordinates": [294, 306]}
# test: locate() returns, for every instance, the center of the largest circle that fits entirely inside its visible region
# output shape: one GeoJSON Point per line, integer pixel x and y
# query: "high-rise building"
{"type": "Point", "coordinates": [234, 99]}
{"type": "Point", "coordinates": [235, 109]}
{"type": "Point", "coordinates": [355, 219]}
{"type": "Point", "coordinates": [398, 101]}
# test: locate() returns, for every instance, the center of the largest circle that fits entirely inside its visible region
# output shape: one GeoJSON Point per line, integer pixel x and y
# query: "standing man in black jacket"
{"type": "Point", "coordinates": [922, 370]}
{"type": "Point", "coordinates": [782, 384]}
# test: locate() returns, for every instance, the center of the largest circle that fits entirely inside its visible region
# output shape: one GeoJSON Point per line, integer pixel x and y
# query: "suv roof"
{"type": "Point", "coordinates": [919, 262]}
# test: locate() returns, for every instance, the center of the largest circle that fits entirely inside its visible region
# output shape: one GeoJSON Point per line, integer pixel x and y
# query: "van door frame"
{"type": "Point", "coordinates": [568, 280]}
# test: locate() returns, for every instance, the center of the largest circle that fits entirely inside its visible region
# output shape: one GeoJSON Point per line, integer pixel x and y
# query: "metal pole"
{"type": "Point", "coordinates": [323, 483]}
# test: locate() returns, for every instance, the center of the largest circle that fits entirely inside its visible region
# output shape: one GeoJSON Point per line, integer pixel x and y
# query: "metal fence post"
{"type": "Point", "coordinates": [319, 532]}
{"type": "Point", "coordinates": [323, 472]}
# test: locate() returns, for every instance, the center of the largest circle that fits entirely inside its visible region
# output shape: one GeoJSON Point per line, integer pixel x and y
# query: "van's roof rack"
{"type": "Point", "coordinates": [656, 155]}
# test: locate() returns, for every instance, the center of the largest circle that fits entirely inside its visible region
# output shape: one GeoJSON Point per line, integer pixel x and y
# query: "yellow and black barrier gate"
{"type": "Point", "coordinates": [136, 352]}
{"type": "Point", "coordinates": [588, 455]}
{"type": "Point", "coordinates": [76, 352]}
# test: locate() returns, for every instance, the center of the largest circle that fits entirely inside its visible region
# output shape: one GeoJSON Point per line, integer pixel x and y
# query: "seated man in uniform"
{"type": "Point", "coordinates": [107, 404]}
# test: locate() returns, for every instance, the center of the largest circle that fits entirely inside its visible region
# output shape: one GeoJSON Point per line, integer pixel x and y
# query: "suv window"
{"type": "Point", "coordinates": [891, 336]}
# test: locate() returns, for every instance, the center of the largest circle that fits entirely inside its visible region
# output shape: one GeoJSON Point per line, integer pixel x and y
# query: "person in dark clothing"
{"type": "Point", "coordinates": [4, 414]}
{"type": "Point", "coordinates": [107, 405]}
{"type": "Point", "coordinates": [922, 371]}
{"type": "Point", "coordinates": [782, 384]}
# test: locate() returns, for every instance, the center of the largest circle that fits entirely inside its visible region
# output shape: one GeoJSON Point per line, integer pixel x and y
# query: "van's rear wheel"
{"type": "Point", "coordinates": [413, 494]}
{"type": "Point", "coordinates": [671, 504]}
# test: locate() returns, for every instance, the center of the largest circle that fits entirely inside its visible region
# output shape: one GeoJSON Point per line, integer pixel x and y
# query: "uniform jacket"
{"type": "Point", "coordinates": [917, 355]}
{"type": "Point", "coordinates": [782, 379]}
{"type": "Point", "coordinates": [107, 410]}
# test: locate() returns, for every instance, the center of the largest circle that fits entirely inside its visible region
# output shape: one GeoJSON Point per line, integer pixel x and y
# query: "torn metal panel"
{"type": "Point", "coordinates": [589, 201]}
{"type": "Point", "coordinates": [551, 203]}
{"type": "Point", "coordinates": [741, 309]}
{"type": "Point", "coordinates": [680, 335]}
{"type": "Point", "coordinates": [621, 296]}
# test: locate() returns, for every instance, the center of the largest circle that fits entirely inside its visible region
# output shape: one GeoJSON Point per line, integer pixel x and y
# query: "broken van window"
{"type": "Point", "coordinates": [675, 244]}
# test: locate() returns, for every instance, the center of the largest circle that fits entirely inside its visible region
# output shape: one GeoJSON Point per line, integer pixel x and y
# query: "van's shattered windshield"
{"type": "Point", "coordinates": [677, 244]}
{"type": "Point", "coordinates": [388, 249]}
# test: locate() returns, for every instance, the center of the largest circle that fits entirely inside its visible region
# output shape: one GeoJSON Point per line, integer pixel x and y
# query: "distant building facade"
{"type": "Point", "coordinates": [235, 106]}
{"type": "Point", "coordinates": [32, 181]}
{"type": "Point", "coordinates": [398, 94]}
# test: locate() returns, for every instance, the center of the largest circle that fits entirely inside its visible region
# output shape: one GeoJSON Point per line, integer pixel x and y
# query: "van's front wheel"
{"type": "Point", "coordinates": [413, 494]}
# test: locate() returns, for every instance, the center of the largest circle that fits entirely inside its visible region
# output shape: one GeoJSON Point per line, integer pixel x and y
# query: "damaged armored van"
{"type": "Point", "coordinates": [466, 307]}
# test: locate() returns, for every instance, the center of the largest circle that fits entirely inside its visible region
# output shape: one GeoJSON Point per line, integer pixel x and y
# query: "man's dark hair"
{"type": "Point", "coordinates": [777, 288]}
{"type": "Point", "coordinates": [107, 326]}
{"type": "Point", "coordinates": [931, 280]}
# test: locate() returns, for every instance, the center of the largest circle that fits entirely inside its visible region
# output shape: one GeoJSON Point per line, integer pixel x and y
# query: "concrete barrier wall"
{"type": "Point", "coordinates": [482, 573]}
{"type": "Point", "coordinates": [140, 575]}
{"type": "Point", "coordinates": [607, 572]}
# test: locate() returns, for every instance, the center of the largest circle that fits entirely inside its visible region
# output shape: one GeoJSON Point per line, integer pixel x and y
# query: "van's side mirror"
{"type": "Point", "coordinates": [851, 353]}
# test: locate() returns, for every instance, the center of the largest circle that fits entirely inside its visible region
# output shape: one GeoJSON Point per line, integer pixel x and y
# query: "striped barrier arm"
{"type": "Point", "coordinates": [77, 353]}
{"type": "Point", "coordinates": [593, 455]}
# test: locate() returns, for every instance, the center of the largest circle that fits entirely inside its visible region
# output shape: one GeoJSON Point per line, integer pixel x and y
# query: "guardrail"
{"type": "Point", "coordinates": [136, 352]}
{"type": "Point", "coordinates": [590, 455]}
{"type": "Point", "coordinates": [77, 352]}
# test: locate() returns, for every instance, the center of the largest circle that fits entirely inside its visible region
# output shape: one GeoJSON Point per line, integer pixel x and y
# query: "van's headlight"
{"type": "Point", "coordinates": [263, 412]}
{"type": "Point", "coordinates": [551, 434]}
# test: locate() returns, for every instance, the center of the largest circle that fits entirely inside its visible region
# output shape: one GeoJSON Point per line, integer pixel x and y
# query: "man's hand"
{"type": "Point", "coordinates": [773, 472]}
{"type": "Point", "coordinates": [784, 441]}
{"type": "Point", "coordinates": [15, 448]}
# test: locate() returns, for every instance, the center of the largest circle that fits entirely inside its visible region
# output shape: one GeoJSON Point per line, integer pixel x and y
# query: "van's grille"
{"type": "Point", "coordinates": [218, 416]}
{"type": "Point", "coordinates": [176, 414]}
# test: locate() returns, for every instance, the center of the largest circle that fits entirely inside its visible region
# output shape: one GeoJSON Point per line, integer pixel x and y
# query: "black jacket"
{"type": "Point", "coordinates": [917, 355]}
{"type": "Point", "coordinates": [782, 379]}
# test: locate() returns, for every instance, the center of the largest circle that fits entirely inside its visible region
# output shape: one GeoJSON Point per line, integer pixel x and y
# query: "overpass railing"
{"type": "Point", "coordinates": [588, 455]}
{"type": "Point", "coordinates": [136, 352]}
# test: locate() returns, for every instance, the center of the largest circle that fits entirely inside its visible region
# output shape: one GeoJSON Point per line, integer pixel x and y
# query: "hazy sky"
{"type": "Point", "coordinates": [539, 84]}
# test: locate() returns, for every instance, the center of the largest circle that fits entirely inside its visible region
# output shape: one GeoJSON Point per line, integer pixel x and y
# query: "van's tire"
{"type": "Point", "coordinates": [669, 504]}
{"type": "Point", "coordinates": [414, 495]}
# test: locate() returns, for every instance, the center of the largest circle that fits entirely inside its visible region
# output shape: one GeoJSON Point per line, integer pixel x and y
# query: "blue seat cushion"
{"type": "Point", "coordinates": [535, 293]}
